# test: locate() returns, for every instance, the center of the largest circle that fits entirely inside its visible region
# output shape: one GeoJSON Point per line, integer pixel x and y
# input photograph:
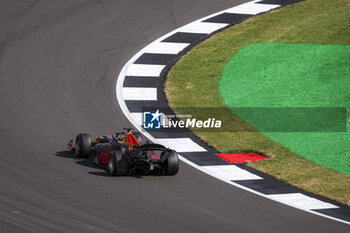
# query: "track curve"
{"type": "Point", "coordinates": [58, 61]}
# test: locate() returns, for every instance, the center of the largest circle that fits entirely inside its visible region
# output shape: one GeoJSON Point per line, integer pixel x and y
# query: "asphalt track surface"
{"type": "Point", "coordinates": [58, 66]}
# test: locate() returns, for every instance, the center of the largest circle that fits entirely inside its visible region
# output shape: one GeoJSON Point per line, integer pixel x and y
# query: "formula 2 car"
{"type": "Point", "coordinates": [126, 153]}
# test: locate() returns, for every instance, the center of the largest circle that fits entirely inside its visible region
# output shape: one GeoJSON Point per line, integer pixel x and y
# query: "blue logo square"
{"type": "Point", "coordinates": [151, 120]}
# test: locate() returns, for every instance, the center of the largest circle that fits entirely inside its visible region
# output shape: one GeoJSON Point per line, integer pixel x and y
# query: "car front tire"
{"type": "Point", "coordinates": [83, 145]}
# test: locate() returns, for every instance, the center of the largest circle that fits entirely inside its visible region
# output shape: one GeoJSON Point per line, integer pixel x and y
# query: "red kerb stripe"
{"type": "Point", "coordinates": [240, 157]}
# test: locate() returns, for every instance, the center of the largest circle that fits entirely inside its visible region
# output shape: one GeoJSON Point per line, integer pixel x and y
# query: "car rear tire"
{"type": "Point", "coordinates": [172, 164]}
{"type": "Point", "coordinates": [112, 165]}
{"type": "Point", "coordinates": [83, 145]}
{"type": "Point", "coordinates": [117, 165]}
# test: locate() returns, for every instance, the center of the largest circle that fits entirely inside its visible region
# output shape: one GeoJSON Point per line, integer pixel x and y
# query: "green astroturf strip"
{"type": "Point", "coordinates": [290, 82]}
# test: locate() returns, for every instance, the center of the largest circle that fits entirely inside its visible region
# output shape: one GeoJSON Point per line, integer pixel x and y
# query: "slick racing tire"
{"type": "Point", "coordinates": [116, 164]}
{"type": "Point", "coordinates": [83, 145]}
{"type": "Point", "coordinates": [172, 164]}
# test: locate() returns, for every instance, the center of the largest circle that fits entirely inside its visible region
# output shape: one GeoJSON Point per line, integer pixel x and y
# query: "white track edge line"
{"type": "Point", "coordinates": [123, 107]}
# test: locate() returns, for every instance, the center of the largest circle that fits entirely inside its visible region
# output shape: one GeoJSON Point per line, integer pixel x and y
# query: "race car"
{"type": "Point", "coordinates": [126, 153]}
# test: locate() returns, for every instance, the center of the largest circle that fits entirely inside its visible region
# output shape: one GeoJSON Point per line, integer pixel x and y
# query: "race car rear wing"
{"type": "Point", "coordinates": [151, 146]}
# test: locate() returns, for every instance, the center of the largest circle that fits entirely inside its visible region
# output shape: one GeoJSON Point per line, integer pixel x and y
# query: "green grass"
{"type": "Point", "coordinates": [194, 82]}
{"type": "Point", "coordinates": [306, 91]}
